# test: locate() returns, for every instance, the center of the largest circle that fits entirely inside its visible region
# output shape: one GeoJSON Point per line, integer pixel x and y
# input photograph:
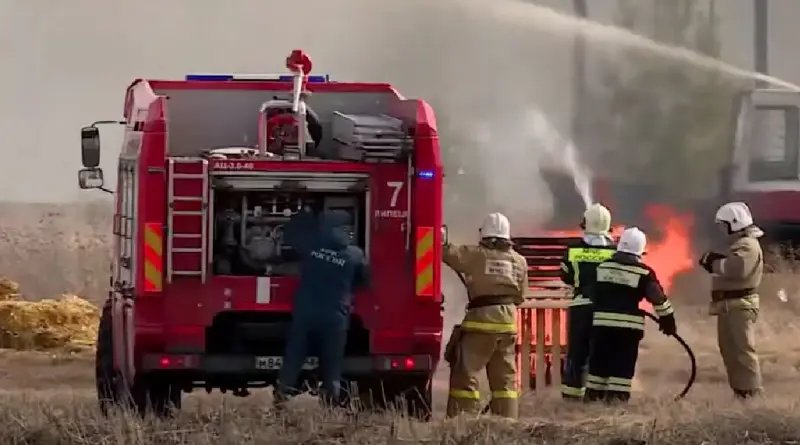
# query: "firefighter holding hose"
{"type": "Point", "coordinates": [618, 323]}
{"type": "Point", "coordinates": [497, 279]}
{"type": "Point", "coordinates": [736, 275]}
{"type": "Point", "coordinates": [579, 270]}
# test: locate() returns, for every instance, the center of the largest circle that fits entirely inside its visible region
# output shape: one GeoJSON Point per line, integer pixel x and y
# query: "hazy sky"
{"type": "Point", "coordinates": [67, 63]}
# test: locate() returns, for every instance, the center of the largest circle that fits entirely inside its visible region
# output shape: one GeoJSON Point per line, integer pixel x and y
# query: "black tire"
{"type": "Point", "coordinates": [108, 380]}
{"type": "Point", "coordinates": [146, 395]}
{"type": "Point", "coordinates": [413, 395]}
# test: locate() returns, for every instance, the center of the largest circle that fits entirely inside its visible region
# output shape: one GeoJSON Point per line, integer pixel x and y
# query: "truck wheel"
{"type": "Point", "coordinates": [107, 379]}
{"type": "Point", "coordinates": [156, 396]}
{"type": "Point", "coordinates": [414, 395]}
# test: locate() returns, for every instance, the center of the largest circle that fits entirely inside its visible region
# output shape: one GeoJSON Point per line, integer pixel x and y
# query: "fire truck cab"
{"type": "Point", "coordinates": [210, 170]}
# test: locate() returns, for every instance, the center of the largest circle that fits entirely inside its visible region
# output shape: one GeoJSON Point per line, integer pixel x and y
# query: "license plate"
{"type": "Point", "coordinates": [273, 363]}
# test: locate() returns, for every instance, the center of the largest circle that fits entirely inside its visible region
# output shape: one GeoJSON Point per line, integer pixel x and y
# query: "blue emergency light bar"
{"type": "Point", "coordinates": [315, 78]}
{"type": "Point", "coordinates": [425, 174]}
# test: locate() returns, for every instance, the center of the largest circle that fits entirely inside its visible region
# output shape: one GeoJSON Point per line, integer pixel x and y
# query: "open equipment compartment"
{"type": "Point", "coordinates": [250, 212]}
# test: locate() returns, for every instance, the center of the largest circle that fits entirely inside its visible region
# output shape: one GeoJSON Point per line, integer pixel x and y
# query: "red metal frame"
{"type": "Point", "coordinates": [179, 314]}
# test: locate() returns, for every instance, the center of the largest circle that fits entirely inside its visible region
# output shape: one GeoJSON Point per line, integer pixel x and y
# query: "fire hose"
{"type": "Point", "coordinates": [689, 352]}
{"type": "Point", "coordinates": [678, 338]}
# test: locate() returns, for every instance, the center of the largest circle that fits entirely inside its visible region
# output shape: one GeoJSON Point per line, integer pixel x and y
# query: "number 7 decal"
{"type": "Point", "coordinates": [396, 186]}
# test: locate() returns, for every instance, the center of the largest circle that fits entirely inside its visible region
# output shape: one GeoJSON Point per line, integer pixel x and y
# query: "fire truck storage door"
{"type": "Point", "coordinates": [307, 181]}
{"type": "Point", "coordinates": [767, 142]}
{"type": "Point", "coordinates": [125, 263]}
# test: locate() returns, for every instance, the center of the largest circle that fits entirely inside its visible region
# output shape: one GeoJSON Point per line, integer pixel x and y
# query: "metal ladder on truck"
{"type": "Point", "coordinates": [187, 218]}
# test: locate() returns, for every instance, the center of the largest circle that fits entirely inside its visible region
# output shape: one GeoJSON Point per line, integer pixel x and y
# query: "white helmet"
{"type": "Point", "coordinates": [596, 219]}
{"type": "Point", "coordinates": [632, 241]}
{"type": "Point", "coordinates": [736, 214]}
{"type": "Point", "coordinates": [495, 225]}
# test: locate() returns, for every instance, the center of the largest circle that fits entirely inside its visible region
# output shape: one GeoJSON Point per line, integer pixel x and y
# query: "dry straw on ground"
{"type": "Point", "coordinates": [69, 322]}
{"type": "Point", "coordinates": [49, 399]}
{"type": "Point", "coordinates": [73, 419]}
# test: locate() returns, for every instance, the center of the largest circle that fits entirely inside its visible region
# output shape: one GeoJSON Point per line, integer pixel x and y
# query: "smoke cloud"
{"type": "Point", "coordinates": [68, 65]}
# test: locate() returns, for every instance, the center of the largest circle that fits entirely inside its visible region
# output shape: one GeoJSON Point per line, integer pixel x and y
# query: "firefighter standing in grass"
{"type": "Point", "coordinates": [736, 275]}
{"type": "Point", "coordinates": [485, 341]}
{"type": "Point", "coordinates": [618, 324]}
{"type": "Point", "coordinates": [579, 269]}
{"type": "Point", "coordinates": [331, 269]}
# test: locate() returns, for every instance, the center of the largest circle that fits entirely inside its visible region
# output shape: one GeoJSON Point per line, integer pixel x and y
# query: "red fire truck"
{"type": "Point", "coordinates": [210, 170]}
{"type": "Point", "coordinates": [765, 166]}
{"type": "Point", "coordinates": [762, 169]}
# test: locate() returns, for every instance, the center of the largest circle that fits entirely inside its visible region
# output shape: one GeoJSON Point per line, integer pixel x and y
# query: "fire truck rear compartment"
{"type": "Point", "coordinates": [266, 333]}
{"type": "Point", "coordinates": [244, 349]}
{"type": "Point", "coordinates": [248, 228]}
{"type": "Point", "coordinates": [248, 335]}
{"type": "Point", "coordinates": [247, 240]}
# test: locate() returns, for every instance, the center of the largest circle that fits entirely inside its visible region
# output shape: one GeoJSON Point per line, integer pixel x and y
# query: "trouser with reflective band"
{"type": "Point", "coordinates": [736, 340]}
{"type": "Point", "coordinates": [579, 325]}
{"type": "Point", "coordinates": [579, 300]}
{"type": "Point", "coordinates": [612, 363]}
{"type": "Point", "coordinates": [477, 352]}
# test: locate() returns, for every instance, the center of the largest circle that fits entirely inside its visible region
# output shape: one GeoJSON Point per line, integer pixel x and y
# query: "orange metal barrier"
{"type": "Point", "coordinates": [542, 319]}
{"type": "Point", "coordinates": [541, 342]}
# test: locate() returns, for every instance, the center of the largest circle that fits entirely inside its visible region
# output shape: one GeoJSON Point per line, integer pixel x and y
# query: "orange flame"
{"type": "Point", "coordinates": [672, 254]}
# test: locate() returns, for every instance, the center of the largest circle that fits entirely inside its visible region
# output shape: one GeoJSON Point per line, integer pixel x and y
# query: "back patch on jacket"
{"type": "Point", "coordinates": [610, 274]}
{"type": "Point", "coordinates": [501, 268]}
{"type": "Point", "coordinates": [329, 256]}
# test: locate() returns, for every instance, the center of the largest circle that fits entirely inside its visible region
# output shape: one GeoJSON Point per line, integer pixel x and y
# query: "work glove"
{"type": "Point", "coordinates": [666, 324]}
{"type": "Point", "coordinates": [707, 260]}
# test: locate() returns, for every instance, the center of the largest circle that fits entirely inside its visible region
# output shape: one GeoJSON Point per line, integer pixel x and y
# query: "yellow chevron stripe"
{"type": "Point", "coordinates": [424, 266]}
{"type": "Point", "coordinates": [153, 239]}
{"type": "Point", "coordinates": [153, 260]}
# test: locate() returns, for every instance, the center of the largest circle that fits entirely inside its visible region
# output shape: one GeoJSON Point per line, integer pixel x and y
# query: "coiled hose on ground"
{"type": "Point", "coordinates": [678, 338]}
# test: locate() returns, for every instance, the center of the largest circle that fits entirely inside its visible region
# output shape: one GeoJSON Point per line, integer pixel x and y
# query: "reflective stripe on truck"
{"type": "Point", "coordinates": [153, 257]}
{"type": "Point", "coordinates": [424, 263]}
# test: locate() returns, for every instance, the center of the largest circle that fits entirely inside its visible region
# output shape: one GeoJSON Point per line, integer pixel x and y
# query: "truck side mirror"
{"type": "Point", "coordinates": [445, 238]}
{"type": "Point", "coordinates": [90, 178]}
{"type": "Point", "coordinates": [90, 148]}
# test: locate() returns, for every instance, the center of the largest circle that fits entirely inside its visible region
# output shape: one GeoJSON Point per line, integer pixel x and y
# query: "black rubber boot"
{"type": "Point", "coordinates": [746, 393]}
{"type": "Point", "coordinates": [617, 397]}
{"type": "Point", "coordinates": [594, 395]}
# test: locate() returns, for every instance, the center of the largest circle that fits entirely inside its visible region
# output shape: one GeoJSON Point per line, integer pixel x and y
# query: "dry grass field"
{"type": "Point", "coordinates": [48, 398]}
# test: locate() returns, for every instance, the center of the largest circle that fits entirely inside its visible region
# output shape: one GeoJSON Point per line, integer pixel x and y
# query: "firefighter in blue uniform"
{"type": "Point", "coordinates": [331, 269]}
{"type": "Point", "coordinates": [618, 323]}
{"type": "Point", "coordinates": [578, 269]}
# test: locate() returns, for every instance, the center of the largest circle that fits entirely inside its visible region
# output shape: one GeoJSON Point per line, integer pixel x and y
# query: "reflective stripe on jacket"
{"type": "Point", "coordinates": [491, 273]}
{"type": "Point", "coordinates": [622, 282]}
{"type": "Point", "coordinates": [579, 268]}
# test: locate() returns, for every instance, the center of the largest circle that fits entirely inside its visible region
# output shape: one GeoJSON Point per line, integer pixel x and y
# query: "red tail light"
{"type": "Point", "coordinates": [406, 363]}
